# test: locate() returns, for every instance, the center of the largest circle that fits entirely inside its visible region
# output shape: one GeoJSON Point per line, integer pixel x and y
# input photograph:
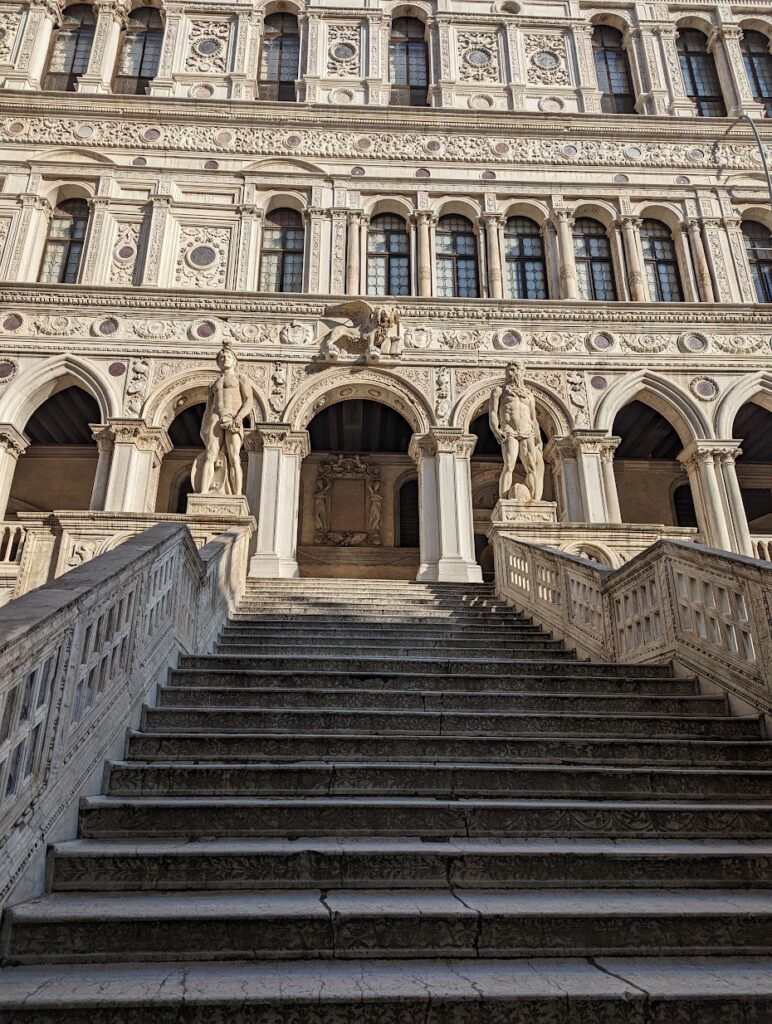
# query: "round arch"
{"type": "Point", "coordinates": [529, 208]}
{"type": "Point", "coordinates": [664, 212]}
{"type": "Point", "coordinates": [285, 201]}
{"type": "Point", "coordinates": [448, 205]}
{"type": "Point", "coordinates": [168, 401]}
{"type": "Point", "coordinates": [604, 213]}
{"type": "Point", "coordinates": [619, 19]}
{"type": "Point", "coordinates": [660, 394]}
{"type": "Point", "coordinates": [36, 385]}
{"type": "Point", "coordinates": [756, 388]}
{"type": "Point", "coordinates": [757, 213]}
{"type": "Point", "coordinates": [343, 383]}
{"type": "Point", "coordinates": [388, 204]}
{"type": "Point", "coordinates": [701, 24]}
{"type": "Point", "coordinates": [550, 411]}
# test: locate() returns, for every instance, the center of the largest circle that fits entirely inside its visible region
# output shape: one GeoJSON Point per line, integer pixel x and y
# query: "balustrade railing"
{"type": "Point", "coordinates": [77, 658]}
{"type": "Point", "coordinates": [762, 547]}
{"type": "Point", "coordinates": [11, 543]}
{"type": "Point", "coordinates": [707, 611]}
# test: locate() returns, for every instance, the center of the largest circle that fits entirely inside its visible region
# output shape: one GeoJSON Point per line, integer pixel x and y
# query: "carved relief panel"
{"type": "Point", "coordinates": [203, 257]}
{"type": "Point", "coordinates": [208, 43]}
{"type": "Point", "coordinates": [347, 502]}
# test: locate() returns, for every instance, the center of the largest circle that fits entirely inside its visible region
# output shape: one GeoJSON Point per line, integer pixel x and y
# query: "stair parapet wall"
{"type": "Point", "coordinates": [705, 610]}
{"type": "Point", "coordinates": [78, 657]}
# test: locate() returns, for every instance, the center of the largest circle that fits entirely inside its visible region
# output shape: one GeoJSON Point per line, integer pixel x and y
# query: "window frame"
{"type": "Point", "coordinates": [695, 65]}
{"type": "Point", "coordinates": [68, 244]}
{"type": "Point", "coordinates": [593, 262]}
{"type": "Point", "coordinates": [286, 256]}
{"type": "Point", "coordinates": [80, 30]}
{"type": "Point", "coordinates": [520, 264]}
{"type": "Point", "coordinates": [454, 259]}
{"type": "Point", "coordinates": [390, 257]}
{"type": "Point", "coordinates": [145, 32]}
{"type": "Point", "coordinates": [408, 93]}
{"type": "Point", "coordinates": [751, 61]}
{"type": "Point", "coordinates": [282, 87]}
{"type": "Point", "coordinates": [659, 261]}
{"type": "Point", "coordinates": [761, 267]}
{"type": "Point", "coordinates": [613, 102]}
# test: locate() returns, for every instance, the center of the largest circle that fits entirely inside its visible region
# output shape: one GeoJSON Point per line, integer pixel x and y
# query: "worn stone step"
{"type": "Point", "coordinates": [293, 628]}
{"type": "Point", "coordinates": [450, 722]}
{"type": "Point", "coordinates": [340, 924]}
{"type": "Point", "coordinates": [435, 700]}
{"type": "Point", "coordinates": [102, 866]}
{"type": "Point", "coordinates": [469, 668]}
{"type": "Point", "coordinates": [375, 602]}
{"type": "Point", "coordinates": [359, 611]}
{"type": "Point", "coordinates": [233, 746]}
{"type": "Point", "coordinates": [530, 649]}
{"type": "Point", "coordinates": [444, 781]}
{"type": "Point", "coordinates": [606, 990]}
{"type": "Point", "coordinates": [205, 817]}
{"type": "Point", "coordinates": [532, 682]}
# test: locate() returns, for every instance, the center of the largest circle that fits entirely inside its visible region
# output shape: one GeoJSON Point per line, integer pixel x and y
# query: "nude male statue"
{"type": "Point", "coordinates": [218, 468]}
{"type": "Point", "coordinates": [512, 416]}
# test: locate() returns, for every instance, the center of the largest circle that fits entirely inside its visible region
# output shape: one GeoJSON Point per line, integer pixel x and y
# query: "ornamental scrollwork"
{"type": "Point", "coordinates": [208, 46]}
{"type": "Point", "coordinates": [478, 54]}
{"type": "Point", "coordinates": [547, 61]}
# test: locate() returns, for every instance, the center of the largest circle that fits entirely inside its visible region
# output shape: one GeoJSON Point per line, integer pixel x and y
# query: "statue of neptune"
{"type": "Point", "coordinates": [512, 416]}
{"type": "Point", "coordinates": [217, 470]}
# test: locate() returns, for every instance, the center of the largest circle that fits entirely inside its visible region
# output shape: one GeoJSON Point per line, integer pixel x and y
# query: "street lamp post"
{"type": "Point", "coordinates": [760, 144]}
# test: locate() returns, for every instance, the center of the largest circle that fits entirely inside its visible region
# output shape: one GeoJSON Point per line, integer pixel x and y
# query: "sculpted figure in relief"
{"type": "Point", "coordinates": [360, 323]}
{"type": "Point", "coordinates": [217, 470]}
{"type": "Point", "coordinates": [512, 416]}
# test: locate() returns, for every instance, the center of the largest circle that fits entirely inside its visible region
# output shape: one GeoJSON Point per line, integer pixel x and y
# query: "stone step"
{"type": "Point", "coordinates": [531, 649]}
{"type": "Point", "coordinates": [607, 990]}
{"type": "Point", "coordinates": [87, 866]}
{"type": "Point", "coordinates": [341, 924]}
{"type": "Point", "coordinates": [244, 747]}
{"type": "Point", "coordinates": [334, 603]}
{"type": "Point", "coordinates": [416, 700]}
{"type": "Point", "coordinates": [510, 724]}
{"type": "Point", "coordinates": [469, 667]}
{"type": "Point", "coordinates": [533, 682]}
{"type": "Point", "coordinates": [431, 631]}
{"type": "Point", "coordinates": [443, 781]}
{"type": "Point", "coordinates": [358, 614]}
{"type": "Point", "coordinates": [207, 817]}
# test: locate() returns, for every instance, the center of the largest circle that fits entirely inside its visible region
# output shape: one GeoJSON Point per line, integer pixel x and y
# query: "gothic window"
{"type": "Point", "coordinates": [408, 63]}
{"type": "Point", "coordinates": [64, 243]}
{"type": "Point", "coordinates": [524, 259]}
{"type": "Point", "coordinates": [456, 245]}
{"type": "Point", "coordinates": [280, 59]}
{"type": "Point", "coordinates": [140, 52]}
{"type": "Point", "coordinates": [594, 268]}
{"type": "Point", "coordinates": [70, 48]}
{"type": "Point", "coordinates": [758, 67]}
{"type": "Point", "coordinates": [408, 515]}
{"type": "Point", "coordinates": [613, 71]}
{"type": "Point", "coordinates": [699, 73]}
{"type": "Point", "coordinates": [388, 256]}
{"type": "Point", "coordinates": [661, 262]}
{"type": "Point", "coordinates": [281, 265]}
{"type": "Point", "coordinates": [758, 245]}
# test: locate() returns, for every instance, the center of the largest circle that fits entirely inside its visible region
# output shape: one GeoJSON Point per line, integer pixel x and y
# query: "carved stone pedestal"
{"type": "Point", "coordinates": [218, 505]}
{"type": "Point", "coordinates": [509, 512]}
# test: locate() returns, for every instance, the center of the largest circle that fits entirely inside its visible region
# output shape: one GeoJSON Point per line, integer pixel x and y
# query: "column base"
{"type": "Point", "coordinates": [271, 566]}
{"type": "Point", "coordinates": [218, 505]}
{"type": "Point", "coordinates": [510, 510]}
{"type": "Point", "coordinates": [450, 570]}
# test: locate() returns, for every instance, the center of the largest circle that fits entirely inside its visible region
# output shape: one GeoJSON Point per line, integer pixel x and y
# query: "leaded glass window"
{"type": "Point", "coordinates": [526, 273]}
{"type": "Point", "coordinates": [758, 67]}
{"type": "Point", "coordinates": [281, 265]}
{"type": "Point", "coordinates": [699, 73]}
{"type": "Point", "coordinates": [408, 63]}
{"type": "Point", "coordinates": [758, 245]}
{"type": "Point", "coordinates": [456, 246]}
{"type": "Point", "coordinates": [594, 267]}
{"type": "Point", "coordinates": [613, 71]}
{"type": "Point", "coordinates": [388, 256]}
{"type": "Point", "coordinates": [70, 48]}
{"type": "Point", "coordinates": [64, 243]}
{"type": "Point", "coordinates": [661, 262]}
{"type": "Point", "coordinates": [280, 58]}
{"type": "Point", "coordinates": [140, 52]}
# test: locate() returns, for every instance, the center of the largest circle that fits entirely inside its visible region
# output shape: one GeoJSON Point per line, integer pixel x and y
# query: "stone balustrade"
{"type": "Point", "coordinates": [704, 610]}
{"type": "Point", "coordinates": [12, 537]}
{"type": "Point", "coordinates": [77, 659]}
{"type": "Point", "coordinates": [762, 547]}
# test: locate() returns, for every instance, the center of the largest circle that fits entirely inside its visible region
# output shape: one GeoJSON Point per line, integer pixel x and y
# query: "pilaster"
{"type": "Point", "coordinates": [28, 237]}
{"type": "Point", "coordinates": [42, 17]}
{"type": "Point", "coordinates": [13, 443]}
{"type": "Point", "coordinates": [112, 16]}
{"type": "Point", "coordinates": [135, 451]}
{"type": "Point", "coordinates": [583, 464]}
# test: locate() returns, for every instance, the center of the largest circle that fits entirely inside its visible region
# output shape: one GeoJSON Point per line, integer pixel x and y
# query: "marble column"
{"type": "Point", "coordinates": [564, 222]}
{"type": "Point", "coordinates": [446, 524]}
{"type": "Point", "coordinates": [724, 44]}
{"type": "Point", "coordinates": [135, 451]}
{"type": "Point", "coordinates": [635, 278]}
{"type": "Point", "coordinates": [424, 223]}
{"type": "Point", "coordinates": [701, 460]}
{"type": "Point", "coordinates": [738, 519]}
{"type": "Point", "coordinates": [586, 471]}
{"type": "Point", "coordinates": [112, 16]}
{"type": "Point", "coordinates": [42, 17]}
{"type": "Point", "coordinates": [495, 281]}
{"type": "Point", "coordinates": [275, 454]}
{"type": "Point", "coordinates": [700, 261]}
{"type": "Point", "coordinates": [12, 444]}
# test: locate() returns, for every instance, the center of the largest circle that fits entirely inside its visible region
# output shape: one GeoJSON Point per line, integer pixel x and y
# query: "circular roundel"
{"type": "Point", "coordinates": [116, 369]}
{"type": "Point", "coordinates": [8, 371]}
{"type": "Point", "coordinates": [546, 61]}
{"type": "Point", "coordinates": [152, 135]}
{"type": "Point", "coordinates": [202, 256]}
{"type": "Point", "coordinates": [693, 343]}
{"type": "Point", "coordinates": [705, 388]}
{"type": "Point", "coordinates": [139, 161]}
{"type": "Point", "coordinates": [205, 330]}
{"type": "Point", "coordinates": [12, 322]}
{"type": "Point", "coordinates": [209, 46]}
{"type": "Point", "coordinates": [211, 165]}
{"type": "Point", "coordinates": [108, 326]}
{"type": "Point", "coordinates": [598, 382]}
{"type": "Point", "coordinates": [478, 58]}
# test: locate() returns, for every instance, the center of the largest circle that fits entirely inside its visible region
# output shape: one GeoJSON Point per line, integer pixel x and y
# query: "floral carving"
{"type": "Point", "coordinates": [8, 35]}
{"type": "Point", "coordinates": [546, 59]}
{"type": "Point", "coordinates": [343, 56]}
{"type": "Point", "coordinates": [478, 57]}
{"type": "Point", "coordinates": [208, 46]}
{"type": "Point", "coordinates": [203, 259]}
{"type": "Point", "coordinates": [124, 256]}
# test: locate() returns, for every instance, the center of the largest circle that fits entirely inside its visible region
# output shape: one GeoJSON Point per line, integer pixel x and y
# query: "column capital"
{"type": "Point", "coordinates": [32, 201]}
{"type": "Point", "coordinates": [494, 219]}
{"type": "Point", "coordinates": [12, 441]}
{"type": "Point", "coordinates": [707, 450]}
{"type": "Point", "coordinates": [563, 216]}
{"type": "Point", "coordinates": [136, 433]}
{"type": "Point", "coordinates": [251, 210]}
{"type": "Point", "coordinates": [51, 8]}
{"type": "Point", "coordinates": [119, 9]}
{"type": "Point", "coordinates": [425, 217]}
{"type": "Point", "coordinates": [277, 435]}
{"type": "Point", "coordinates": [629, 221]}
{"type": "Point", "coordinates": [442, 440]}
{"type": "Point", "coordinates": [582, 442]}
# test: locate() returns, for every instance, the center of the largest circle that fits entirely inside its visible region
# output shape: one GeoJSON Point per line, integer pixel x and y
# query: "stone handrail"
{"type": "Point", "coordinates": [762, 546]}
{"type": "Point", "coordinates": [77, 658]}
{"type": "Point", "coordinates": [11, 543]}
{"type": "Point", "coordinates": [705, 610]}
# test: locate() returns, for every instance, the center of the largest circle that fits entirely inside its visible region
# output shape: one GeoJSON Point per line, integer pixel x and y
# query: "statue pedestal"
{"type": "Point", "coordinates": [229, 505]}
{"type": "Point", "coordinates": [509, 512]}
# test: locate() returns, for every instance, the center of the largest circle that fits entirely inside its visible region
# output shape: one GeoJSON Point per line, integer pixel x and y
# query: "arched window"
{"type": "Point", "coordinates": [388, 256]}
{"type": "Point", "coordinates": [408, 515]}
{"type": "Point", "coordinates": [64, 244]}
{"type": "Point", "coordinates": [594, 269]}
{"type": "Point", "coordinates": [408, 63]}
{"type": "Point", "coordinates": [281, 265]}
{"type": "Point", "coordinates": [758, 245]}
{"type": "Point", "coordinates": [758, 67]}
{"type": "Point", "coordinates": [70, 48]}
{"type": "Point", "coordinates": [613, 71]}
{"type": "Point", "coordinates": [699, 73]}
{"type": "Point", "coordinates": [140, 52]}
{"type": "Point", "coordinates": [524, 259]}
{"type": "Point", "coordinates": [456, 245]}
{"type": "Point", "coordinates": [280, 59]}
{"type": "Point", "coordinates": [661, 262]}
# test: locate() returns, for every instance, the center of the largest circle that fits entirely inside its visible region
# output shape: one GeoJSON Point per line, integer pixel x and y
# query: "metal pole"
{"type": "Point", "coordinates": [759, 143]}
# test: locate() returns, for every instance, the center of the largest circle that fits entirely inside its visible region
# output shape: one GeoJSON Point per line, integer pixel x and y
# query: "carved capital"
{"type": "Point", "coordinates": [703, 452]}
{"type": "Point", "coordinates": [277, 435]}
{"type": "Point", "coordinates": [425, 217]}
{"type": "Point", "coordinates": [442, 440]}
{"type": "Point", "coordinates": [12, 441]}
{"type": "Point", "coordinates": [137, 433]}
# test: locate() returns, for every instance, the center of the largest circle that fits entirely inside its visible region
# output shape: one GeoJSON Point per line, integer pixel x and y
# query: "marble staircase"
{"type": "Point", "coordinates": [387, 803]}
